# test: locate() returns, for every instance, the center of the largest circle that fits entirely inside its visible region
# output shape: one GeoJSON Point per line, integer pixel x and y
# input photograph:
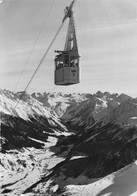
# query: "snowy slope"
{"type": "Point", "coordinates": [120, 183]}
{"type": "Point", "coordinates": [24, 120]}
{"type": "Point", "coordinates": [25, 107]}
{"type": "Point", "coordinates": [124, 114]}
{"type": "Point", "coordinates": [100, 106]}
{"type": "Point", "coordinates": [20, 169]}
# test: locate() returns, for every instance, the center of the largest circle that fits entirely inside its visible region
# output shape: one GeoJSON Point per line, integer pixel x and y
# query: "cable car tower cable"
{"type": "Point", "coordinates": [68, 13]}
{"type": "Point", "coordinates": [67, 61]}
{"type": "Point", "coordinates": [31, 52]}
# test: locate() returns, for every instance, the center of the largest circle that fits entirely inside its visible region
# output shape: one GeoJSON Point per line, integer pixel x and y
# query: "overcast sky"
{"type": "Point", "coordinates": [107, 40]}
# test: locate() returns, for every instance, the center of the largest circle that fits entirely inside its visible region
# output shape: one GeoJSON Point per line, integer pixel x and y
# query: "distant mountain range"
{"type": "Point", "coordinates": [59, 103]}
{"type": "Point", "coordinates": [79, 111]}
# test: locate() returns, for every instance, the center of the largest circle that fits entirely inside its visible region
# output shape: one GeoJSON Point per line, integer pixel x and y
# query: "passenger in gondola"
{"type": "Point", "coordinates": [72, 64]}
{"type": "Point", "coordinates": [60, 65]}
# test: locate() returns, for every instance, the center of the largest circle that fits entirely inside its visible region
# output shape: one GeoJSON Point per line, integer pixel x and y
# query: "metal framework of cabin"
{"type": "Point", "coordinates": [67, 61]}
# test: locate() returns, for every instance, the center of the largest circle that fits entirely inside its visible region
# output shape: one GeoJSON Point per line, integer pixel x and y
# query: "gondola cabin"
{"type": "Point", "coordinates": [67, 61]}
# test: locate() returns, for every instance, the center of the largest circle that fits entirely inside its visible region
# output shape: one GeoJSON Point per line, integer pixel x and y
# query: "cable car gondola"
{"type": "Point", "coordinates": [67, 61]}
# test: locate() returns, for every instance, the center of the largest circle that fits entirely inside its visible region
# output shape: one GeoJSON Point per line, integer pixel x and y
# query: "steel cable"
{"type": "Point", "coordinates": [38, 36]}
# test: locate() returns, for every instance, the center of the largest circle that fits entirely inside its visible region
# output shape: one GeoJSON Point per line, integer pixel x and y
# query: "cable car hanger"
{"type": "Point", "coordinates": [67, 61]}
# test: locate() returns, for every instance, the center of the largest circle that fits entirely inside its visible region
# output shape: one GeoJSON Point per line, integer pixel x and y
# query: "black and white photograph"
{"type": "Point", "coordinates": [68, 97]}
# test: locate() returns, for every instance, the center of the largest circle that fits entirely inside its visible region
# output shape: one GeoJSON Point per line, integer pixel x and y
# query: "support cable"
{"type": "Point", "coordinates": [38, 36]}
{"type": "Point", "coordinates": [43, 58]}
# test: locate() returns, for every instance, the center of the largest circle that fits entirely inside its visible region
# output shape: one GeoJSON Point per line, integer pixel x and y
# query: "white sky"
{"type": "Point", "coordinates": [107, 40]}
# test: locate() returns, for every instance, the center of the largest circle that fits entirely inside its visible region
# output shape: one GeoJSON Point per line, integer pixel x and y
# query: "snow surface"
{"type": "Point", "coordinates": [10, 104]}
{"type": "Point", "coordinates": [17, 178]}
{"type": "Point", "coordinates": [17, 107]}
{"type": "Point", "coordinates": [120, 183]}
{"type": "Point", "coordinates": [59, 102]}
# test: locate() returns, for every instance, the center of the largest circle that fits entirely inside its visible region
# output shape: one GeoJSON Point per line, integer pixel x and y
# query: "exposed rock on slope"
{"type": "Point", "coordinates": [94, 109]}
{"type": "Point", "coordinates": [59, 103]}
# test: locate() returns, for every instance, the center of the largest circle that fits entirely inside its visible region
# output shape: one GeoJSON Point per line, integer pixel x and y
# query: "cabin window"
{"type": "Point", "coordinates": [59, 64]}
{"type": "Point", "coordinates": [74, 63]}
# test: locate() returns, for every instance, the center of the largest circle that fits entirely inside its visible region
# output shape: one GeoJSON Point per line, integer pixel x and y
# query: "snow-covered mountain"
{"type": "Point", "coordinates": [78, 111]}
{"type": "Point", "coordinates": [26, 108]}
{"type": "Point", "coordinates": [24, 117]}
{"type": "Point", "coordinates": [22, 106]}
{"type": "Point", "coordinates": [101, 107]}
{"type": "Point", "coordinates": [124, 114]}
{"type": "Point", "coordinates": [59, 103]}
